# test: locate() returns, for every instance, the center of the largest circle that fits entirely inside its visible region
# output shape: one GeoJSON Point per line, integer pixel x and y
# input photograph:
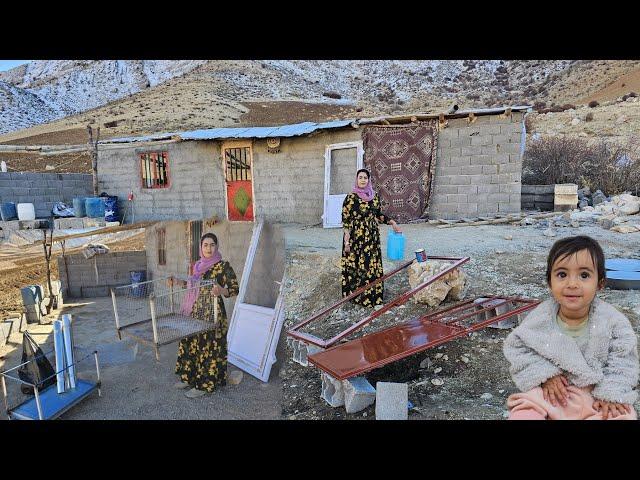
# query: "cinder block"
{"type": "Point", "coordinates": [302, 350]}
{"type": "Point", "coordinates": [332, 391]}
{"type": "Point", "coordinates": [358, 394]}
{"type": "Point", "coordinates": [392, 401]}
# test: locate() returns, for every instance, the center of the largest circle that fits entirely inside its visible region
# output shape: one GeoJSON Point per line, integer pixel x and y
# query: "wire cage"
{"type": "Point", "coordinates": [46, 403]}
{"type": "Point", "coordinates": [156, 312]}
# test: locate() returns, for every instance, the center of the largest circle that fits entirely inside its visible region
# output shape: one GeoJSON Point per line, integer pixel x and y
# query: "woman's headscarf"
{"type": "Point", "coordinates": [199, 269]}
{"type": "Point", "coordinates": [367, 192]}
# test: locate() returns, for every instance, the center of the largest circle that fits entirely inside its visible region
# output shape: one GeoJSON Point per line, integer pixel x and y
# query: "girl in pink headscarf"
{"type": "Point", "coordinates": [361, 254]}
{"type": "Point", "coordinates": [202, 358]}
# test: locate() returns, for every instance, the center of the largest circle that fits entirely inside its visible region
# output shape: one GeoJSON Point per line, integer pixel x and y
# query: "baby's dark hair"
{"type": "Point", "coordinates": [571, 245]}
{"type": "Point", "coordinates": [211, 236]}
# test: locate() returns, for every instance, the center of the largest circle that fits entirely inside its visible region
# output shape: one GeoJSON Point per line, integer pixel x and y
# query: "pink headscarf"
{"type": "Point", "coordinates": [365, 193]}
{"type": "Point", "coordinates": [199, 269]}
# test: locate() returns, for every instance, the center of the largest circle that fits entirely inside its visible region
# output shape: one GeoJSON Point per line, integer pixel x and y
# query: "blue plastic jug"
{"type": "Point", "coordinates": [395, 245]}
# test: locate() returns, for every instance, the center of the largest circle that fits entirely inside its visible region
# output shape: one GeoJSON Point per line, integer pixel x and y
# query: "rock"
{"type": "Point", "coordinates": [621, 119]}
{"type": "Point", "coordinates": [606, 222]}
{"type": "Point", "coordinates": [449, 286]}
{"type": "Point", "coordinates": [575, 121]}
{"type": "Point", "coordinates": [626, 228]}
{"type": "Point", "coordinates": [598, 197]}
{"type": "Point", "coordinates": [508, 237]}
{"type": "Point", "coordinates": [486, 396]}
{"type": "Point", "coordinates": [582, 134]}
{"type": "Point", "coordinates": [439, 355]}
{"type": "Point", "coordinates": [445, 357]}
{"type": "Point", "coordinates": [464, 359]}
{"type": "Point", "coordinates": [437, 381]}
{"type": "Point", "coordinates": [500, 252]}
{"type": "Point", "coordinates": [437, 370]}
{"type": "Point", "coordinates": [235, 377]}
{"type": "Point", "coordinates": [426, 363]}
{"type": "Point", "coordinates": [49, 167]}
{"type": "Point", "coordinates": [629, 208]}
{"type": "Point", "coordinates": [575, 224]}
{"type": "Point", "coordinates": [584, 192]}
{"type": "Point", "coordinates": [549, 233]}
{"type": "Point", "coordinates": [584, 203]}
{"type": "Point", "coordinates": [500, 391]}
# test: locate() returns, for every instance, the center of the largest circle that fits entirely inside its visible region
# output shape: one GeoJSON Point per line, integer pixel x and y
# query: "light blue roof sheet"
{"type": "Point", "coordinates": [293, 130]}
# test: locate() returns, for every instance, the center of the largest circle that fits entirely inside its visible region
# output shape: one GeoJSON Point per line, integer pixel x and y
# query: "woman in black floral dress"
{"type": "Point", "coordinates": [361, 256]}
{"type": "Point", "coordinates": [202, 358]}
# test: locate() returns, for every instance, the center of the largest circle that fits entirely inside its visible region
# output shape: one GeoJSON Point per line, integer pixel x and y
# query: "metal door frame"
{"type": "Point", "coordinates": [238, 144]}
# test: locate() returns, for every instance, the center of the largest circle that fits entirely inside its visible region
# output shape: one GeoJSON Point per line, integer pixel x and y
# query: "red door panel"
{"type": "Point", "coordinates": [240, 200]}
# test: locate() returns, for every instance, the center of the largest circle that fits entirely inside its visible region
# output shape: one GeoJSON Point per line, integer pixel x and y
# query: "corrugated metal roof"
{"type": "Point", "coordinates": [293, 130]}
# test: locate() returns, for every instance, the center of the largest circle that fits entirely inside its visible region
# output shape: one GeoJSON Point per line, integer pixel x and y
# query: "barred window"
{"type": "Point", "coordinates": [162, 246]}
{"type": "Point", "coordinates": [196, 234]}
{"type": "Point", "coordinates": [154, 169]}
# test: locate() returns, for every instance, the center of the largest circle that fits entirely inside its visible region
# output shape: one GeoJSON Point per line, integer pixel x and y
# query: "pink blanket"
{"type": "Point", "coordinates": [531, 405]}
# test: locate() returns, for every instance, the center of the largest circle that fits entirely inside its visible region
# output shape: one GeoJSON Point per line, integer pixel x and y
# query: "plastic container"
{"type": "Point", "coordinates": [137, 277]}
{"type": "Point", "coordinates": [8, 211]}
{"type": "Point", "coordinates": [78, 207]}
{"type": "Point", "coordinates": [111, 209]}
{"type": "Point", "coordinates": [395, 245]}
{"type": "Point", "coordinates": [26, 211]}
{"type": "Point", "coordinates": [94, 207]}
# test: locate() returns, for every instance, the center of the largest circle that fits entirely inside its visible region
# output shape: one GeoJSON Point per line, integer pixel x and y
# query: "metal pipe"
{"type": "Point", "coordinates": [4, 392]}
{"type": "Point", "coordinates": [95, 356]}
{"type": "Point", "coordinates": [35, 391]}
{"type": "Point", "coordinates": [152, 306]}
{"type": "Point", "coordinates": [115, 312]}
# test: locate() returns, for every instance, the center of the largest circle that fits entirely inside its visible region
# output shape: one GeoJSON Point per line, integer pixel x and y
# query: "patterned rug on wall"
{"type": "Point", "coordinates": [402, 162]}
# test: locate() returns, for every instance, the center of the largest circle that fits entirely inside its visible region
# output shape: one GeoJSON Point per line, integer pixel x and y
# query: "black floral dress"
{"type": "Point", "coordinates": [363, 264]}
{"type": "Point", "coordinates": [202, 358]}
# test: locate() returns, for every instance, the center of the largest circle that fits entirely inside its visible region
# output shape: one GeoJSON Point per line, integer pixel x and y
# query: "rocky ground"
{"type": "Point", "coordinates": [505, 259]}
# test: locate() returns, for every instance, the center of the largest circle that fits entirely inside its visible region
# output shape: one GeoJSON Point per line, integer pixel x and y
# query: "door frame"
{"type": "Point", "coordinates": [327, 173]}
{"type": "Point", "coordinates": [238, 144]}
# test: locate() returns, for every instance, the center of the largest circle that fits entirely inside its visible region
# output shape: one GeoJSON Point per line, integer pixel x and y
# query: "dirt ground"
{"type": "Point", "coordinates": [134, 385]}
{"type": "Point", "coordinates": [505, 259]}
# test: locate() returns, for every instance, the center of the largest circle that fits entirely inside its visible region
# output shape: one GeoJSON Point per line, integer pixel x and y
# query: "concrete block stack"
{"type": "Point", "coordinates": [33, 300]}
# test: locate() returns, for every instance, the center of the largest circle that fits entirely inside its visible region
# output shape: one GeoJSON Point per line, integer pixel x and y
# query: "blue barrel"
{"type": "Point", "coordinates": [94, 207]}
{"type": "Point", "coordinates": [111, 209]}
{"type": "Point", "coordinates": [8, 211]}
{"type": "Point", "coordinates": [137, 277]}
{"type": "Point", "coordinates": [78, 207]}
{"type": "Point", "coordinates": [395, 246]}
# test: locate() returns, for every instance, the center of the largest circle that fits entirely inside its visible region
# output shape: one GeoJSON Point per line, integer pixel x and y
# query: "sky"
{"type": "Point", "coordinates": [9, 64]}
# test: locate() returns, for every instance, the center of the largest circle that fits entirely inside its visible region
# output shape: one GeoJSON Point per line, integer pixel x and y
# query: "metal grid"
{"type": "Point", "coordinates": [395, 343]}
{"type": "Point", "coordinates": [154, 311]}
{"type": "Point", "coordinates": [397, 301]}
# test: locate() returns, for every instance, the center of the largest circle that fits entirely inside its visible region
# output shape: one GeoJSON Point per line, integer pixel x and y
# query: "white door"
{"type": "Point", "coordinates": [341, 162]}
{"type": "Point", "coordinates": [254, 337]}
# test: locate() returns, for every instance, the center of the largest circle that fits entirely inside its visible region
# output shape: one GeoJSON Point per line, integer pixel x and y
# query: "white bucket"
{"type": "Point", "coordinates": [26, 211]}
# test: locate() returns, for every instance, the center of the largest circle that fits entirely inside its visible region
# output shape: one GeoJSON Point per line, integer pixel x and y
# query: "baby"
{"type": "Point", "coordinates": [574, 356]}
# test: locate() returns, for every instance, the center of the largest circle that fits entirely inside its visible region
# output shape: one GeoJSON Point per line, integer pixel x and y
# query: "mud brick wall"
{"type": "Point", "coordinates": [44, 189]}
{"type": "Point", "coordinates": [113, 270]}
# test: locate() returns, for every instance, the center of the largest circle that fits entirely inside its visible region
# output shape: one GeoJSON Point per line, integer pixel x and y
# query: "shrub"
{"type": "Point", "coordinates": [539, 106]}
{"type": "Point", "coordinates": [624, 97]}
{"type": "Point", "coordinates": [589, 117]}
{"type": "Point", "coordinates": [568, 106]}
{"type": "Point", "coordinates": [593, 104]}
{"type": "Point", "coordinates": [633, 94]}
{"type": "Point", "coordinates": [602, 164]}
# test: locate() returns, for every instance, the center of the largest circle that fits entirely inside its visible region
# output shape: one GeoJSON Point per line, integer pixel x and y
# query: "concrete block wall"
{"type": "Point", "coordinates": [478, 167]}
{"type": "Point", "coordinates": [44, 189]}
{"type": "Point", "coordinates": [113, 270]}
{"type": "Point", "coordinates": [478, 172]}
{"type": "Point", "coordinates": [289, 186]}
{"type": "Point", "coordinates": [196, 182]}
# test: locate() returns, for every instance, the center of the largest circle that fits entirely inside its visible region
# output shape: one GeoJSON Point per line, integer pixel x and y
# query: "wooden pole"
{"type": "Point", "coordinates": [93, 149]}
